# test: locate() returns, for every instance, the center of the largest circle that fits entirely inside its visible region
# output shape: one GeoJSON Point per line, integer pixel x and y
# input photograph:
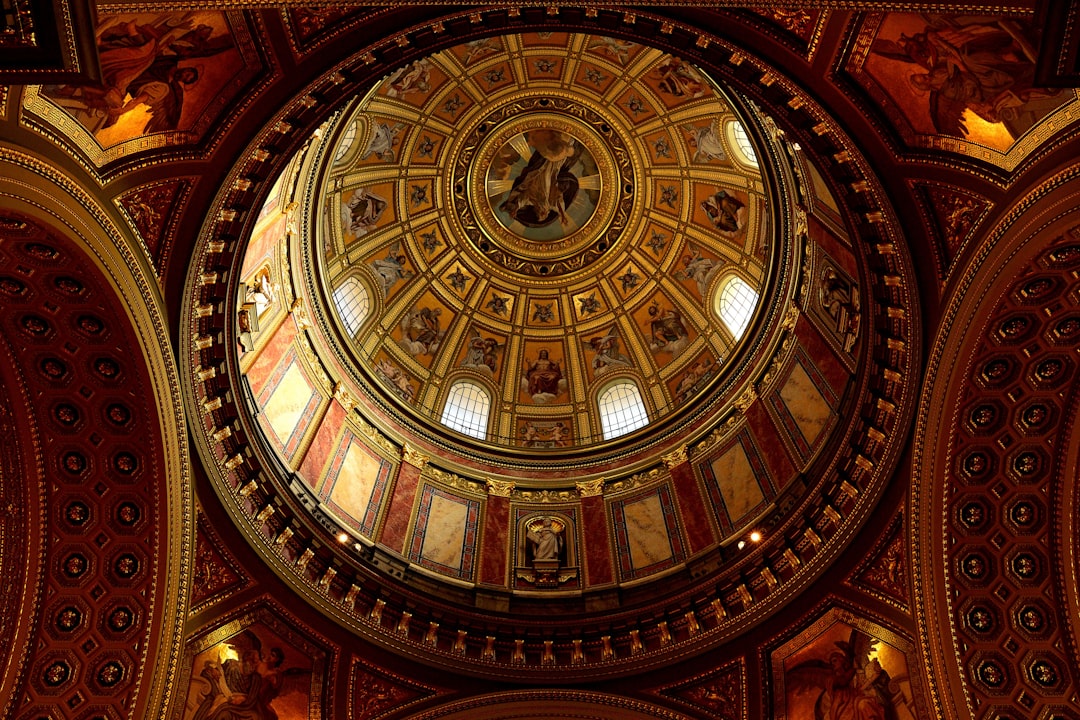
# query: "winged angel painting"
{"type": "Point", "coordinates": [844, 674]}
{"type": "Point", "coordinates": [251, 676]}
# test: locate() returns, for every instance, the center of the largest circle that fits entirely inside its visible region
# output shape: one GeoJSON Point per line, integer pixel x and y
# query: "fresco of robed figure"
{"type": "Point", "coordinates": [158, 73]}
{"type": "Point", "coordinates": [543, 184]}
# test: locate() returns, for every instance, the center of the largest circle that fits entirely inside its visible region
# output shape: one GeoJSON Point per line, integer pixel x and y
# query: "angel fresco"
{"type": "Point", "coordinates": [725, 211]}
{"type": "Point", "coordinates": [705, 142]}
{"type": "Point", "coordinates": [667, 331]}
{"type": "Point", "coordinates": [679, 79]}
{"type": "Point", "coordinates": [363, 211]}
{"type": "Point", "coordinates": [243, 681]}
{"type": "Point", "coordinates": [985, 66]}
{"type": "Point", "coordinates": [391, 268]}
{"type": "Point", "coordinates": [144, 62]}
{"type": "Point", "coordinates": [850, 685]}
{"type": "Point", "coordinates": [698, 268]}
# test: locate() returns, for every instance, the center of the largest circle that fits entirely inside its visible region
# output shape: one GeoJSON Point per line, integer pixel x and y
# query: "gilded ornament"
{"type": "Point", "coordinates": [590, 488]}
{"type": "Point", "coordinates": [499, 488]}
{"type": "Point", "coordinates": [676, 457]}
{"type": "Point", "coordinates": [414, 457]}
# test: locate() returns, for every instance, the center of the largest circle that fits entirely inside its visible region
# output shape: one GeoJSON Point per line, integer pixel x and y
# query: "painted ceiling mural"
{"type": "Point", "coordinates": [415, 213]}
{"type": "Point", "coordinates": [552, 142]}
{"type": "Point", "coordinates": [963, 83]}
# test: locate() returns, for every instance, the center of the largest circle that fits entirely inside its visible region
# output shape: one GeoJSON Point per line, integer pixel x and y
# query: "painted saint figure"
{"type": "Point", "coordinates": [726, 212]}
{"type": "Point", "coordinates": [544, 380]}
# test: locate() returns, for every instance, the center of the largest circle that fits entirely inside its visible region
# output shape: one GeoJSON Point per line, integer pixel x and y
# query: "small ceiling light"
{"type": "Point", "coordinates": [343, 537]}
{"type": "Point", "coordinates": [755, 536]}
{"type": "Point", "coordinates": [742, 544]}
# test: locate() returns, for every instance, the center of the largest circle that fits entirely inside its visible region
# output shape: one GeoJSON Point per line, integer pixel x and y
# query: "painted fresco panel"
{"type": "Point", "coordinates": [259, 672]}
{"type": "Point", "coordinates": [844, 666]}
{"type": "Point", "coordinates": [968, 77]}
{"type": "Point", "coordinates": [161, 73]}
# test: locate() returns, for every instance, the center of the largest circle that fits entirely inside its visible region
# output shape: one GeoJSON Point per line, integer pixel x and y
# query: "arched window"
{"type": "Point", "coordinates": [745, 149]}
{"type": "Point", "coordinates": [351, 299]}
{"type": "Point", "coordinates": [467, 408]}
{"type": "Point", "coordinates": [621, 409]}
{"type": "Point", "coordinates": [735, 304]}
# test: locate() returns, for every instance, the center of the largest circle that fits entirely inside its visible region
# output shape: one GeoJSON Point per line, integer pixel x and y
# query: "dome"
{"type": "Point", "coordinates": [551, 325]}
{"type": "Point", "coordinates": [541, 241]}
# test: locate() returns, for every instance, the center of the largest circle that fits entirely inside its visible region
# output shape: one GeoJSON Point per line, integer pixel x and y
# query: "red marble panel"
{"type": "Point", "coordinates": [270, 354]}
{"type": "Point", "coordinates": [494, 545]}
{"type": "Point", "coordinates": [832, 246]}
{"type": "Point", "coordinates": [597, 549]}
{"type": "Point", "coordinates": [777, 459]}
{"type": "Point", "coordinates": [824, 357]}
{"type": "Point", "coordinates": [322, 446]}
{"type": "Point", "coordinates": [699, 531]}
{"type": "Point", "coordinates": [394, 532]}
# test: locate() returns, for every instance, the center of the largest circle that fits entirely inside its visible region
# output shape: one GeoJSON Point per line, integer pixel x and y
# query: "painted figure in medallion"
{"type": "Point", "coordinates": [546, 185]}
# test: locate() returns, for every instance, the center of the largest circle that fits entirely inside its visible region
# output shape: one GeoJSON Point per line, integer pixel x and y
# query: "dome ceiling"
{"type": "Point", "coordinates": [538, 218]}
{"type": "Point", "coordinates": [539, 215]}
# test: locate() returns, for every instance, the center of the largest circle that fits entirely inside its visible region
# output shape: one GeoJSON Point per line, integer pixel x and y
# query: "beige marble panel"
{"type": "Point", "coordinates": [738, 484]}
{"type": "Point", "coordinates": [445, 532]}
{"type": "Point", "coordinates": [646, 532]}
{"type": "Point", "coordinates": [807, 406]}
{"type": "Point", "coordinates": [286, 405]}
{"type": "Point", "coordinates": [355, 482]}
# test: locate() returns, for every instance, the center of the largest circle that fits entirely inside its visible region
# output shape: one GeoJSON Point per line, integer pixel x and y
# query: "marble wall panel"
{"type": "Point", "coordinates": [356, 483]}
{"type": "Point", "coordinates": [289, 403]}
{"type": "Point", "coordinates": [264, 364]}
{"type": "Point", "coordinates": [737, 482]}
{"type": "Point", "coordinates": [803, 406]}
{"type": "Point", "coordinates": [646, 533]}
{"type": "Point", "coordinates": [445, 535]}
{"type": "Point", "coordinates": [313, 468]}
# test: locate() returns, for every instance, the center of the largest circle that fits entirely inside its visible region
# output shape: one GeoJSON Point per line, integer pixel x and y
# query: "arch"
{"type": "Point", "coordinates": [734, 303]}
{"type": "Point", "coordinates": [353, 303]}
{"type": "Point", "coordinates": [467, 409]}
{"type": "Point", "coordinates": [621, 408]}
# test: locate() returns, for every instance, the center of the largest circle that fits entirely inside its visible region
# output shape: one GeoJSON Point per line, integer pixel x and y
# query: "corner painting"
{"type": "Point", "coordinates": [961, 83]}
{"type": "Point", "coordinates": [254, 668]}
{"type": "Point", "coordinates": [166, 76]}
{"type": "Point", "coordinates": [844, 667]}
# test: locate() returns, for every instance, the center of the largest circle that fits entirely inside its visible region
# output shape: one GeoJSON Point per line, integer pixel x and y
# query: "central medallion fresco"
{"type": "Point", "coordinates": [543, 187]}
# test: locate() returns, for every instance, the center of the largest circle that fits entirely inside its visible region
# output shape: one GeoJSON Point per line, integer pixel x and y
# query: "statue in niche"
{"type": "Point", "coordinates": [840, 300]}
{"type": "Point", "coordinates": [546, 541]}
{"type": "Point", "coordinates": [544, 560]}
